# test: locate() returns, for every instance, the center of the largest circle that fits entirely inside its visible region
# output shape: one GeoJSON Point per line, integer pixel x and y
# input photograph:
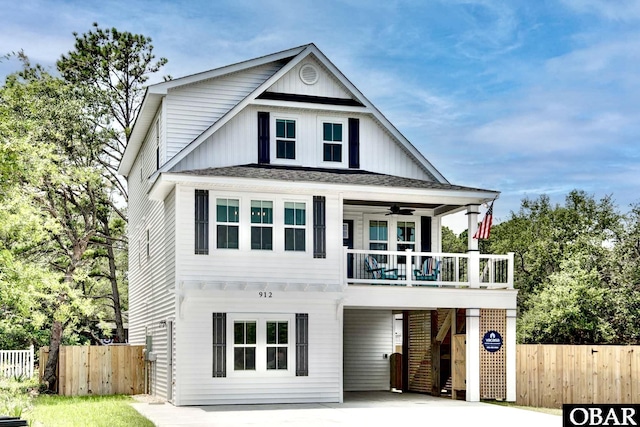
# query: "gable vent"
{"type": "Point", "coordinates": [309, 74]}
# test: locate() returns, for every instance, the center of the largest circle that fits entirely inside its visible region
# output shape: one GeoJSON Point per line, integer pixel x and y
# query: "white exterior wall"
{"type": "Point", "coordinates": [194, 350]}
{"type": "Point", "coordinates": [194, 108]}
{"type": "Point", "coordinates": [368, 337]}
{"type": "Point", "coordinates": [257, 266]}
{"type": "Point", "coordinates": [236, 143]}
{"type": "Point", "coordinates": [151, 276]}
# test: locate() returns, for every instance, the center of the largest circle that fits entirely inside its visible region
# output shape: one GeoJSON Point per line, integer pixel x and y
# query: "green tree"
{"type": "Point", "coordinates": [113, 66]}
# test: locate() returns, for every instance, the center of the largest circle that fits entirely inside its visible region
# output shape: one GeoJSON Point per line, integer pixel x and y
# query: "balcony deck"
{"type": "Point", "coordinates": [406, 268]}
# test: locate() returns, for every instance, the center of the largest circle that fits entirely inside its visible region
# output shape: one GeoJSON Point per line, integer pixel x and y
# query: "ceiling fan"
{"type": "Point", "coordinates": [397, 210]}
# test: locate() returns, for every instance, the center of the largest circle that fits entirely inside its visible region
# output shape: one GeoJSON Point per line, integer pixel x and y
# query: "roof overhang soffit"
{"type": "Point", "coordinates": [446, 201]}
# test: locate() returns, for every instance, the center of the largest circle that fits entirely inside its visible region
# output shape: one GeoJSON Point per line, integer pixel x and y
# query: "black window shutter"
{"type": "Point", "coordinates": [319, 227]}
{"type": "Point", "coordinates": [354, 143]}
{"type": "Point", "coordinates": [202, 222]}
{"type": "Point", "coordinates": [263, 137]}
{"type": "Point", "coordinates": [219, 345]}
{"type": "Point", "coordinates": [302, 345]}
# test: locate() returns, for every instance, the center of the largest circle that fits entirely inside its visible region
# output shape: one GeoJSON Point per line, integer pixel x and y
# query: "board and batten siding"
{"type": "Point", "coordinates": [236, 143]}
{"type": "Point", "coordinates": [194, 350]}
{"type": "Point", "coordinates": [151, 275]}
{"type": "Point", "coordinates": [191, 109]}
{"type": "Point", "coordinates": [368, 336]}
{"type": "Point", "coordinates": [257, 266]}
{"type": "Point", "coordinates": [327, 86]}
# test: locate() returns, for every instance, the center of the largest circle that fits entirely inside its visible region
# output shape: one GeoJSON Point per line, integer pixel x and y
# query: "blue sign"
{"type": "Point", "coordinates": [492, 341]}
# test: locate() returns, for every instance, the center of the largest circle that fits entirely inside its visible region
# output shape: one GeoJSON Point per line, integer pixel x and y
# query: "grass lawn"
{"type": "Point", "coordinates": [59, 411]}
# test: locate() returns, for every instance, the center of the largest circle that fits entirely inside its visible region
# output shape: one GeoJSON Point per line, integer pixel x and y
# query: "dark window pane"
{"type": "Point", "coordinates": [250, 359]}
{"type": "Point", "coordinates": [271, 332]}
{"type": "Point", "coordinates": [232, 237]}
{"type": "Point", "coordinates": [283, 333]}
{"type": "Point", "coordinates": [300, 240]}
{"type": "Point", "coordinates": [256, 215]}
{"type": "Point", "coordinates": [291, 129]}
{"type": "Point", "coordinates": [337, 132]}
{"type": "Point", "coordinates": [280, 129]}
{"type": "Point", "coordinates": [238, 333]}
{"type": "Point", "coordinates": [291, 150]}
{"type": "Point", "coordinates": [238, 359]}
{"type": "Point", "coordinates": [300, 217]}
{"type": "Point", "coordinates": [271, 358]}
{"type": "Point", "coordinates": [282, 357]}
{"type": "Point", "coordinates": [327, 135]}
{"type": "Point", "coordinates": [289, 244]}
{"type": "Point", "coordinates": [256, 238]}
{"type": "Point", "coordinates": [327, 157]}
{"type": "Point", "coordinates": [251, 332]}
{"type": "Point", "coordinates": [289, 215]}
{"type": "Point", "coordinates": [221, 236]}
{"type": "Point", "coordinates": [221, 212]}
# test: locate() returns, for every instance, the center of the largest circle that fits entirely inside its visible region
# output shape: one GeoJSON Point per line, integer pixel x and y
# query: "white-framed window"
{"type": "Point", "coordinates": [333, 133]}
{"type": "Point", "coordinates": [285, 132]}
{"type": "Point", "coordinates": [261, 225]}
{"type": "Point", "coordinates": [406, 232]}
{"type": "Point", "coordinates": [295, 226]}
{"type": "Point", "coordinates": [263, 344]}
{"type": "Point", "coordinates": [227, 223]}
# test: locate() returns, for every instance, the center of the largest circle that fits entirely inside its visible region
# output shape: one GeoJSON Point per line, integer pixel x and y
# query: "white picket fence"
{"type": "Point", "coordinates": [16, 363]}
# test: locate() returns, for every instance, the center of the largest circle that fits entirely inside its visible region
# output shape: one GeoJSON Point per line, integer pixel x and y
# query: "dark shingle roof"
{"type": "Point", "coordinates": [330, 176]}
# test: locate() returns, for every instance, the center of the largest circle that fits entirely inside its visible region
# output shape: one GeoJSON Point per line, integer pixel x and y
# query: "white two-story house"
{"type": "Point", "coordinates": [285, 242]}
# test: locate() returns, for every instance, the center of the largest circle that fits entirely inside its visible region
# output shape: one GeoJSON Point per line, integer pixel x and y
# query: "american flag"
{"type": "Point", "coordinates": [484, 229]}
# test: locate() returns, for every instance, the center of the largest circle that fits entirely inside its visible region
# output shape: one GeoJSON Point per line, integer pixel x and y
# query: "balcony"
{"type": "Point", "coordinates": [444, 270]}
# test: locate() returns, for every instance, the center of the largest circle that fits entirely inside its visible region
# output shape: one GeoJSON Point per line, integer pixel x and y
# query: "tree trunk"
{"type": "Point", "coordinates": [117, 309]}
{"type": "Point", "coordinates": [50, 377]}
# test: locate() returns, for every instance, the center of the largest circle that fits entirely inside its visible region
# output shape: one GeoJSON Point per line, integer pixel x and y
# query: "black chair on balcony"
{"type": "Point", "coordinates": [371, 266]}
{"type": "Point", "coordinates": [430, 270]}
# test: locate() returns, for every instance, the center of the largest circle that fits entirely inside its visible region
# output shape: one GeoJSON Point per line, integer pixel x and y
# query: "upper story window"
{"type": "Point", "coordinates": [286, 139]}
{"type": "Point", "coordinates": [406, 235]}
{"type": "Point", "coordinates": [295, 226]}
{"type": "Point", "coordinates": [227, 219]}
{"type": "Point", "coordinates": [332, 142]}
{"type": "Point", "coordinates": [261, 225]}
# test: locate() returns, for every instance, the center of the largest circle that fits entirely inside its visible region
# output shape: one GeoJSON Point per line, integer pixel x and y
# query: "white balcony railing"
{"type": "Point", "coordinates": [406, 268]}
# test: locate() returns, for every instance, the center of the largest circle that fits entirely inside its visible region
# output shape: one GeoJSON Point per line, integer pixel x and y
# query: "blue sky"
{"type": "Point", "coordinates": [525, 97]}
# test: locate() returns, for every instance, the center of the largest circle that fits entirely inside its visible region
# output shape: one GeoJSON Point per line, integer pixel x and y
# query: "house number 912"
{"type": "Point", "coordinates": [265, 294]}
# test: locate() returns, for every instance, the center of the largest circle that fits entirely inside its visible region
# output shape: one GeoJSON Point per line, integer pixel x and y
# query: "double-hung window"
{"type": "Point", "coordinates": [261, 225]}
{"type": "Point", "coordinates": [277, 345]}
{"type": "Point", "coordinates": [295, 226]}
{"type": "Point", "coordinates": [227, 220]}
{"type": "Point", "coordinates": [244, 345]}
{"type": "Point", "coordinates": [285, 139]}
{"type": "Point", "coordinates": [332, 142]}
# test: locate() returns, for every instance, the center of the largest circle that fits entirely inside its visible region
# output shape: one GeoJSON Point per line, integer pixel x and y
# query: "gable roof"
{"type": "Point", "coordinates": [293, 56]}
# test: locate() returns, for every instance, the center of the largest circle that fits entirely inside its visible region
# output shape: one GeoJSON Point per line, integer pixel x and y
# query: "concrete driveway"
{"type": "Point", "coordinates": [359, 409]}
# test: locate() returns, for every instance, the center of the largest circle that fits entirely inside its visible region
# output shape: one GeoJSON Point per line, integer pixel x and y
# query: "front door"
{"type": "Point", "coordinates": [347, 240]}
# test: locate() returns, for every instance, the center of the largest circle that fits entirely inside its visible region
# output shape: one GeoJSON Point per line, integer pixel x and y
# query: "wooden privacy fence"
{"type": "Point", "coordinates": [98, 370]}
{"type": "Point", "coordinates": [550, 375]}
{"type": "Point", "coordinates": [16, 363]}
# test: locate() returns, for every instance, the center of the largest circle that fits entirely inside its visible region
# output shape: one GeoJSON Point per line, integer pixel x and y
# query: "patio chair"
{"type": "Point", "coordinates": [430, 270]}
{"type": "Point", "coordinates": [371, 266]}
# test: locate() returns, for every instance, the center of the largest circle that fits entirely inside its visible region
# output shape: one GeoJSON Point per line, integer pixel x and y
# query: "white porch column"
{"type": "Point", "coordinates": [474, 259]}
{"type": "Point", "coordinates": [510, 365]}
{"type": "Point", "coordinates": [473, 355]}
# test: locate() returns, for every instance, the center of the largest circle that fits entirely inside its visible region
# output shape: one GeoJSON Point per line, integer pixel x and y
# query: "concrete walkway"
{"type": "Point", "coordinates": [359, 409]}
